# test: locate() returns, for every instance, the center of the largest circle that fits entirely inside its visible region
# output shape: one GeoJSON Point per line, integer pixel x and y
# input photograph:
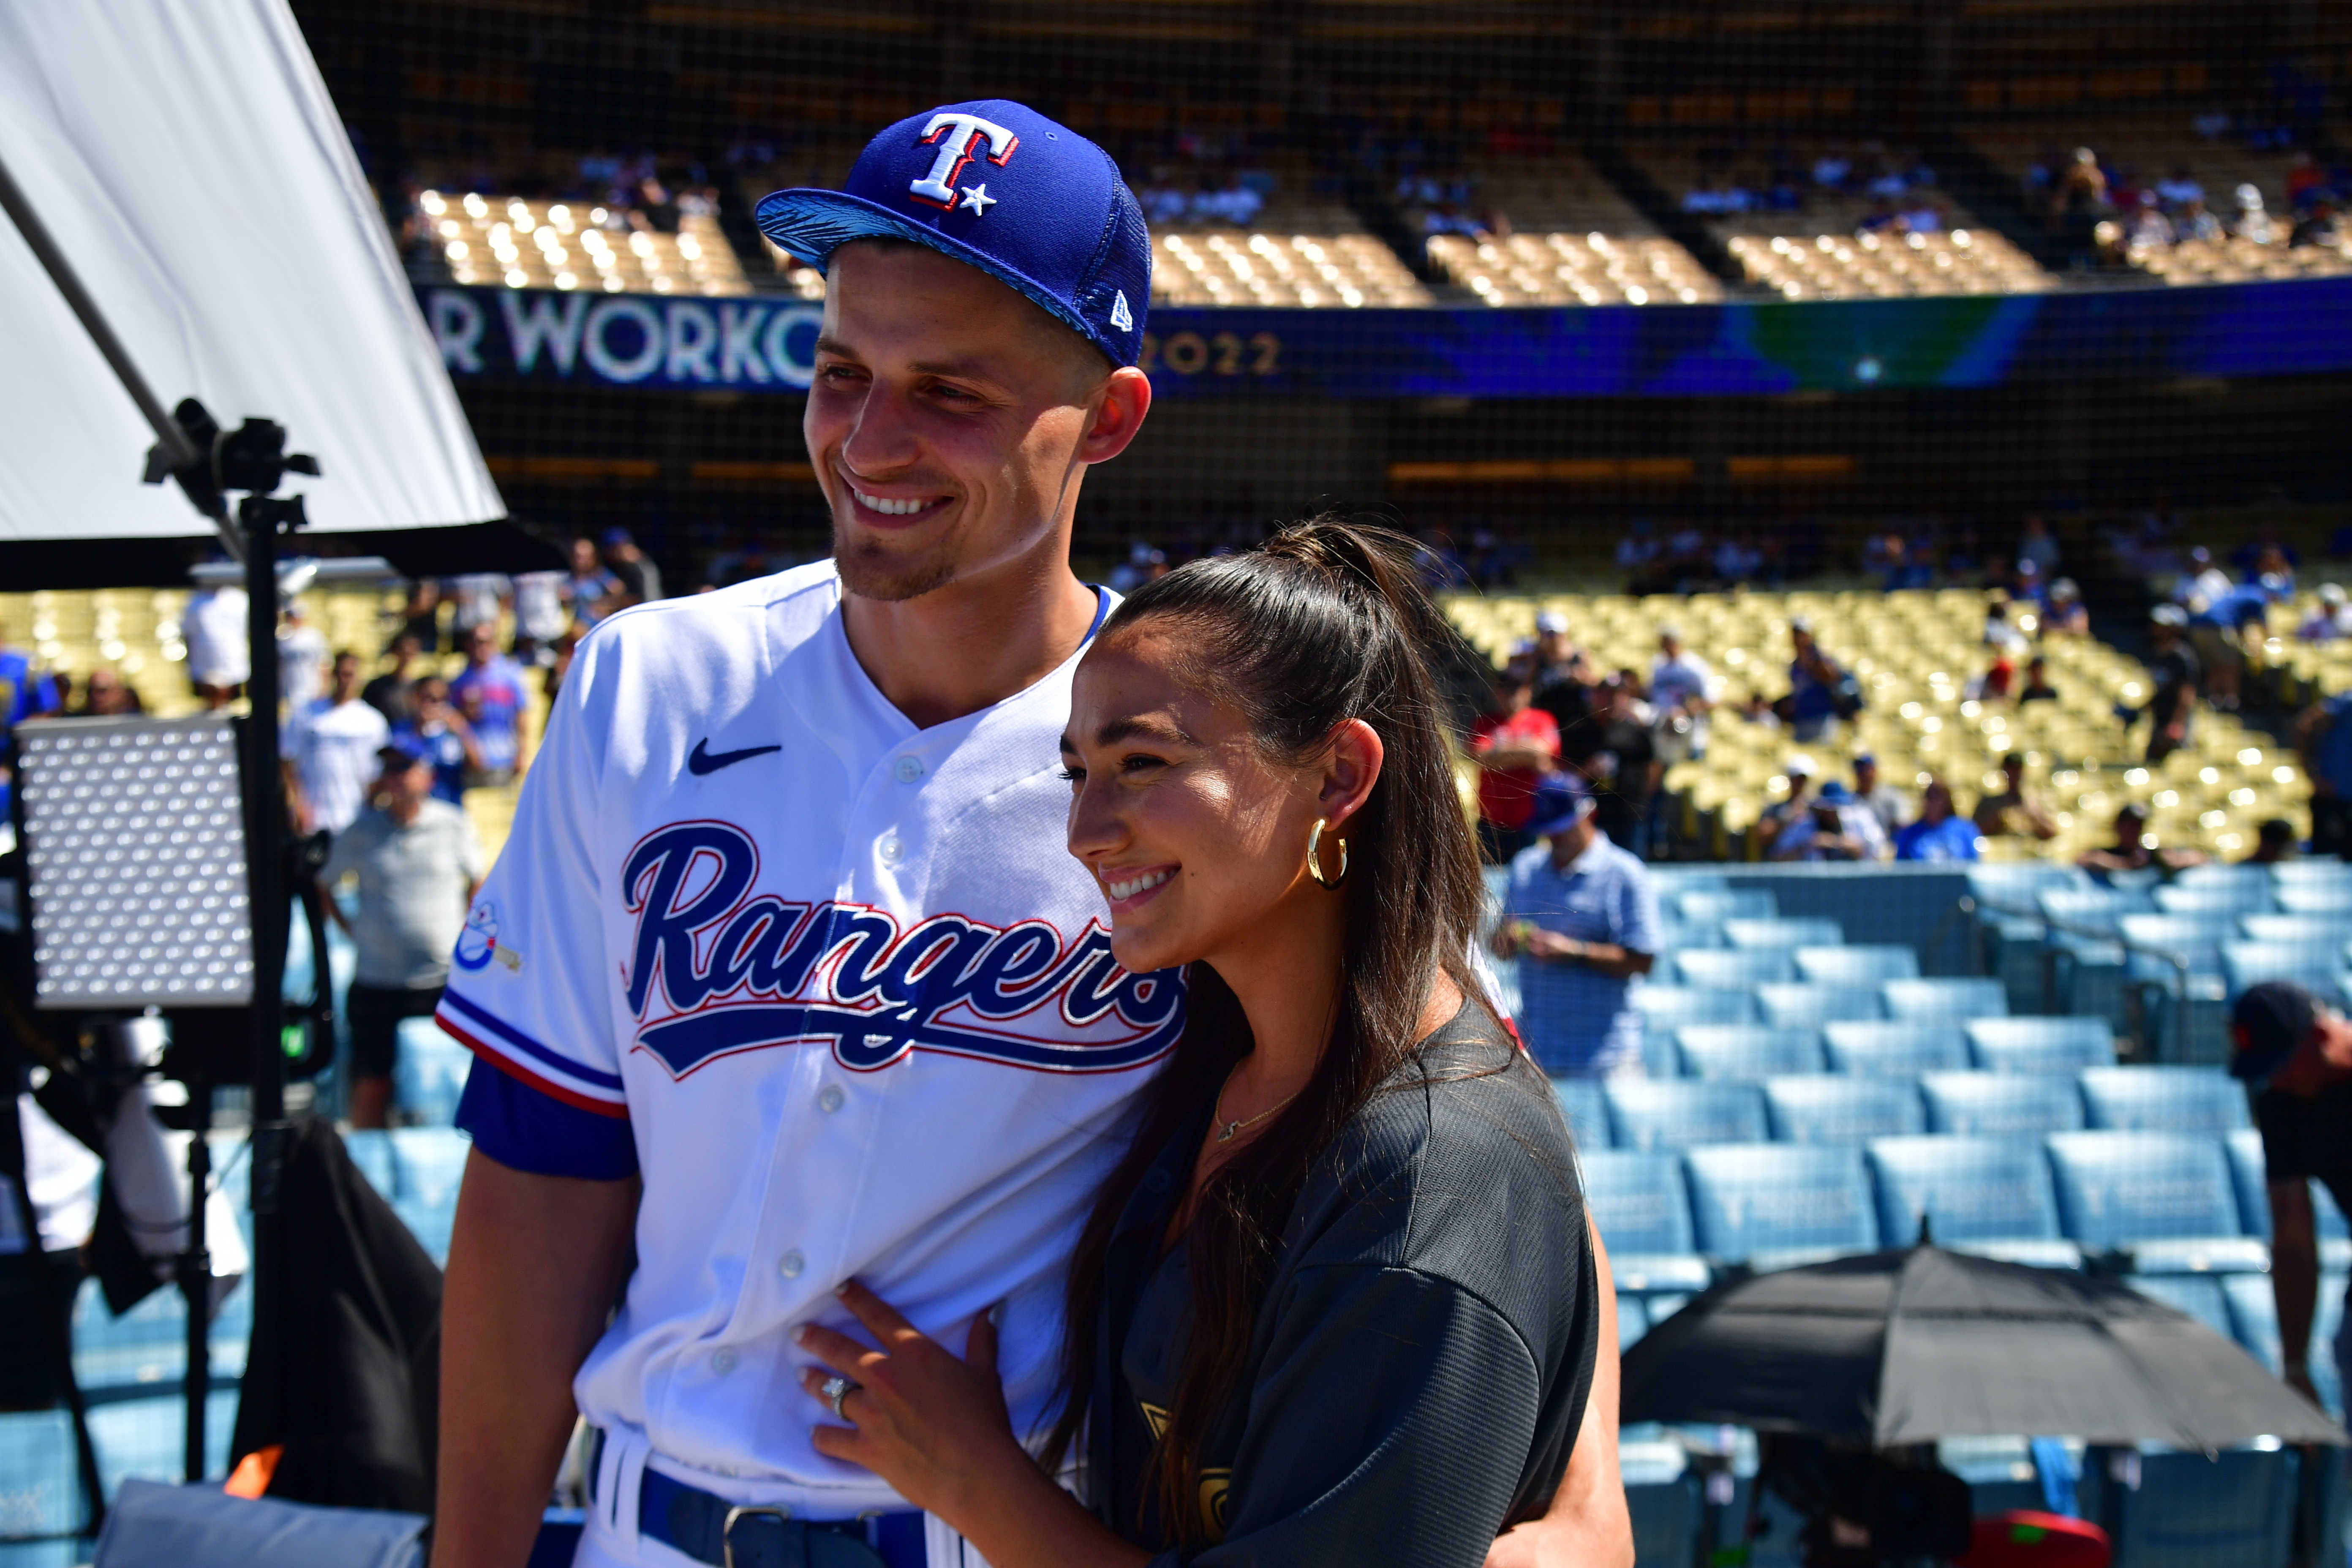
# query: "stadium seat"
{"type": "Point", "coordinates": [428, 1074]}
{"type": "Point", "coordinates": [2253, 1318]}
{"type": "Point", "coordinates": [40, 1492]}
{"type": "Point", "coordinates": [1672, 936]}
{"type": "Point", "coordinates": [2191, 1512]}
{"type": "Point", "coordinates": [1864, 965]}
{"type": "Point", "coordinates": [1885, 1049]}
{"type": "Point", "coordinates": [1586, 1111]}
{"type": "Point", "coordinates": [1829, 1108]}
{"type": "Point", "coordinates": [1971, 1190]}
{"type": "Point", "coordinates": [1641, 1202]}
{"type": "Point", "coordinates": [428, 1162]}
{"type": "Point", "coordinates": [371, 1151]}
{"type": "Point", "coordinates": [2214, 1255]}
{"type": "Point", "coordinates": [1663, 1498]}
{"type": "Point", "coordinates": [1756, 1200]}
{"type": "Point", "coordinates": [2001, 1105]}
{"type": "Point", "coordinates": [2314, 873]}
{"type": "Point", "coordinates": [1733, 969]}
{"type": "Point", "coordinates": [2318, 967]}
{"type": "Point", "coordinates": [1809, 931]}
{"type": "Point", "coordinates": [2328, 898]}
{"type": "Point", "coordinates": [2040, 1045]}
{"type": "Point", "coordinates": [1798, 1006]}
{"type": "Point", "coordinates": [2247, 1175]}
{"type": "Point", "coordinates": [1747, 1051]}
{"type": "Point", "coordinates": [1944, 1001]}
{"type": "Point", "coordinates": [1717, 905]}
{"type": "Point", "coordinates": [1633, 1319]}
{"type": "Point", "coordinates": [2116, 1188]}
{"type": "Point", "coordinates": [2199, 1295]}
{"type": "Point", "coordinates": [1668, 1007]}
{"type": "Point", "coordinates": [1664, 1280]}
{"type": "Point", "coordinates": [1683, 1113]}
{"type": "Point", "coordinates": [2222, 874]}
{"type": "Point", "coordinates": [147, 1437]}
{"type": "Point", "coordinates": [2298, 931]}
{"type": "Point", "coordinates": [2155, 945]}
{"type": "Point", "coordinates": [2244, 896]}
{"type": "Point", "coordinates": [2163, 1099]}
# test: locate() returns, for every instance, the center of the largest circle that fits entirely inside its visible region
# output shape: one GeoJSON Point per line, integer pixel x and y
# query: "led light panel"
{"type": "Point", "coordinates": [134, 839]}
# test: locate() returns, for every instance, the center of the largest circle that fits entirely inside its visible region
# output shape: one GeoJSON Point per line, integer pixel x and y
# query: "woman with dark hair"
{"type": "Point", "coordinates": [1338, 1302]}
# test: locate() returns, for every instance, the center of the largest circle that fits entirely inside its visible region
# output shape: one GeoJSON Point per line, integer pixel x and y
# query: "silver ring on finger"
{"type": "Point", "coordinates": [836, 1389]}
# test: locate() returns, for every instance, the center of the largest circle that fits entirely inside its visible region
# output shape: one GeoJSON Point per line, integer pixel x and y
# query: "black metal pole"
{"type": "Point", "coordinates": [196, 1277]}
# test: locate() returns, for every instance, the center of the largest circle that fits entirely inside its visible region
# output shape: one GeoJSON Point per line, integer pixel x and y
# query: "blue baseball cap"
{"type": "Point", "coordinates": [406, 746]}
{"type": "Point", "coordinates": [996, 186]}
{"type": "Point", "coordinates": [1562, 800]}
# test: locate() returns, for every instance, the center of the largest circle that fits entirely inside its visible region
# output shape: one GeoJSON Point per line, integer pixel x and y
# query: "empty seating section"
{"type": "Point", "coordinates": [1299, 251]}
{"type": "Point", "coordinates": [1772, 1201]}
{"type": "Point", "coordinates": [1998, 1105]}
{"type": "Point", "coordinates": [1818, 1006]}
{"type": "Point", "coordinates": [1868, 1047]}
{"type": "Point", "coordinates": [1746, 1051]}
{"type": "Point", "coordinates": [1574, 241]}
{"type": "Point", "coordinates": [1831, 1108]}
{"type": "Point", "coordinates": [1967, 1190]}
{"type": "Point", "coordinates": [1736, 969]}
{"type": "Point", "coordinates": [1944, 1001]}
{"type": "Point", "coordinates": [2114, 1188]}
{"type": "Point", "coordinates": [1682, 1113]}
{"type": "Point", "coordinates": [1914, 653]}
{"type": "Point", "coordinates": [1864, 965]}
{"type": "Point", "coordinates": [1782, 933]}
{"type": "Point", "coordinates": [528, 243]}
{"type": "Point", "coordinates": [2162, 1098]}
{"type": "Point", "coordinates": [2040, 1045]}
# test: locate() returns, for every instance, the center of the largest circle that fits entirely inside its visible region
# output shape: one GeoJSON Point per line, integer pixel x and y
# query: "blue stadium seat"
{"type": "Point", "coordinates": [2163, 1099]}
{"type": "Point", "coordinates": [1663, 1498]}
{"type": "Point", "coordinates": [1862, 965]}
{"type": "Point", "coordinates": [1682, 1113]}
{"type": "Point", "coordinates": [2001, 1105]}
{"type": "Point", "coordinates": [1754, 1199]}
{"type": "Point", "coordinates": [1641, 1204]}
{"type": "Point", "coordinates": [1659, 1277]}
{"type": "Point", "coordinates": [2116, 1188]}
{"type": "Point", "coordinates": [147, 1437]}
{"type": "Point", "coordinates": [1830, 1108]}
{"type": "Point", "coordinates": [1747, 1051]}
{"type": "Point", "coordinates": [2190, 1511]}
{"type": "Point", "coordinates": [2247, 1173]}
{"type": "Point", "coordinates": [2084, 914]}
{"type": "Point", "coordinates": [2222, 874]}
{"type": "Point", "coordinates": [2199, 1295]}
{"type": "Point", "coordinates": [2194, 940]}
{"type": "Point", "coordinates": [2034, 1254]}
{"type": "Point", "coordinates": [428, 1162]}
{"type": "Point", "coordinates": [2244, 896]}
{"type": "Point", "coordinates": [1633, 1319]}
{"type": "Point", "coordinates": [2324, 873]}
{"type": "Point", "coordinates": [2318, 967]}
{"type": "Point", "coordinates": [2317, 898]}
{"type": "Point", "coordinates": [2040, 1045]}
{"type": "Point", "coordinates": [2254, 1317]}
{"type": "Point", "coordinates": [1733, 969]}
{"type": "Point", "coordinates": [1948, 1001]}
{"type": "Point", "coordinates": [40, 1494]}
{"type": "Point", "coordinates": [1667, 1006]}
{"type": "Point", "coordinates": [2213, 1255]}
{"type": "Point", "coordinates": [1887, 1048]}
{"type": "Point", "coordinates": [1675, 935]}
{"type": "Point", "coordinates": [1587, 1112]}
{"type": "Point", "coordinates": [371, 1152]}
{"type": "Point", "coordinates": [429, 1073]}
{"type": "Point", "coordinates": [2298, 931]}
{"type": "Point", "coordinates": [1719, 904]}
{"type": "Point", "coordinates": [1812, 931]}
{"type": "Point", "coordinates": [1796, 1006]}
{"type": "Point", "coordinates": [1971, 1190]}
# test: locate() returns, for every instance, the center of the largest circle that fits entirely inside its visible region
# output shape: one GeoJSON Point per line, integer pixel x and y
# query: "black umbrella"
{"type": "Point", "coordinates": [1910, 1346]}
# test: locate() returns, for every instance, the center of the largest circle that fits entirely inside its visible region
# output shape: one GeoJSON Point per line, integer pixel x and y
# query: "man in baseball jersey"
{"type": "Point", "coordinates": [784, 977]}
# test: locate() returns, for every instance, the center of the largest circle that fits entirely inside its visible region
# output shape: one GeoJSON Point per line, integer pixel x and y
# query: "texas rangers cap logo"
{"type": "Point", "coordinates": [959, 137]}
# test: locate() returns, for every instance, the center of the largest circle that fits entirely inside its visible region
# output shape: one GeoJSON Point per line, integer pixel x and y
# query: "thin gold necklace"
{"type": "Point", "coordinates": [1225, 1130]}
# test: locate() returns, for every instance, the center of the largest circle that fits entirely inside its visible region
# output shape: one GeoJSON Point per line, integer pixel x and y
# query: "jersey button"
{"type": "Point", "coordinates": [908, 769]}
{"type": "Point", "coordinates": [831, 1100]}
{"type": "Point", "coordinates": [791, 1264]}
{"type": "Point", "coordinates": [723, 1362]}
{"type": "Point", "coordinates": [892, 851]}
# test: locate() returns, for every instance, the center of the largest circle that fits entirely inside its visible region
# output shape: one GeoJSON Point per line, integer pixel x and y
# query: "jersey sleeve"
{"type": "Point", "coordinates": [1637, 915]}
{"type": "Point", "coordinates": [530, 982]}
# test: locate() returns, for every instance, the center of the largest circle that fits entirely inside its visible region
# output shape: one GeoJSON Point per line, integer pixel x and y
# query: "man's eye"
{"type": "Point", "coordinates": [1137, 763]}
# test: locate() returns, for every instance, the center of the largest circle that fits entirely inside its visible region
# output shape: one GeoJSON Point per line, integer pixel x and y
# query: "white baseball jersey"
{"type": "Point", "coordinates": [852, 992]}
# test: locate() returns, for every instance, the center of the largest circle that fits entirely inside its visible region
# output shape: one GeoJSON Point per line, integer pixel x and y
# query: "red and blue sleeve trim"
{"type": "Point", "coordinates": [507, 1035]}
{"type": "Point", "coordinates": [514, 1120]}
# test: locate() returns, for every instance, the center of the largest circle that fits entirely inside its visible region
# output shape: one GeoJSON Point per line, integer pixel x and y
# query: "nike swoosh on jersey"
{"type": "Point", "coordinates": [700, 760]}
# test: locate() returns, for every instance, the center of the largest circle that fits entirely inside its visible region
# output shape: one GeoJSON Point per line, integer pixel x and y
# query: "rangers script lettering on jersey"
{"type": "Point", "coordinates": [856, 1001]}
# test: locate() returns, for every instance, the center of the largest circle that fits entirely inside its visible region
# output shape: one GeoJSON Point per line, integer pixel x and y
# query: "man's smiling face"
{"type": "Point", "coordinates": [946, 420]}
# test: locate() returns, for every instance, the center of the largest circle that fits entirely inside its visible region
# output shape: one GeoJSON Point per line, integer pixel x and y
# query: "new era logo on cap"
{"type": "Point", "coordinates": [998, 186]}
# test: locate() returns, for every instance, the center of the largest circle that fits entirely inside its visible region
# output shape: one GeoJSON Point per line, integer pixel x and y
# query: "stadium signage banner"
{"type": "Point", "coordinates": [767, 344]}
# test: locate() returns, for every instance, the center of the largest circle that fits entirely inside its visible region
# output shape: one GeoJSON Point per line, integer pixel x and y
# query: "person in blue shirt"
{"type": "Point", "coordinates": [1582, 917]}
{"type": "Point", "coordinates": [488, 692]}
{"type": "Point", "coordinates": [25, 693]}
{"type": "Point", "coordinates": [2324, 737]}
{"type": "Point", "coordinates": [1940, 833]}
{"type": "Point", "coordinates": [1814, 680]}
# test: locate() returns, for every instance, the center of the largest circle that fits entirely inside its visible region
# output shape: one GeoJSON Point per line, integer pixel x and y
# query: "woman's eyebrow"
{"type": "Point", "coordinates": [1132, 728]}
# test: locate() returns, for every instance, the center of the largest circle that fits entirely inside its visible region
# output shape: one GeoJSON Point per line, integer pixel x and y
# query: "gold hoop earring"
{"type": "Point", "coordinates": [1314, 856]}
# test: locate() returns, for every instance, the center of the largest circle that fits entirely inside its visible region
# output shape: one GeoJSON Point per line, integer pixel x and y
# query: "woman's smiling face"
{"type": "Point", "coordinates": [1193, 834]}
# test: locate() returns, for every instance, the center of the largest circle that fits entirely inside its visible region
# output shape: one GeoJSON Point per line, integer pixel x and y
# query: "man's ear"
{"type": "Point", "coordinates": [1350, 769]}
{"type": "Point", "coordinates": [1118, 410]}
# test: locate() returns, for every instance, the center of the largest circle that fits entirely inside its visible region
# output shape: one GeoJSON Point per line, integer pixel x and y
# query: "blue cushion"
{"type": "Point", "coordinates": [1754, 1197]}
{"type": "Point", "coordinates": [2245, 896]}
{"type": "Point", "coordinates": [2115, 1188]}
{"type": "Point", "coordinates": [1862, 965]}
{"type": "Point", "coordinates": [1812, 1006]}
{"type": "Point", "coordinates": [1747, 1051]}
{"type": "Point", "coordinates": [1812, 931]}
{"type": "Point", "coordinates": [1682, 1113]}
{"type": "Point", "coordinates": [1665, 1006]}
{"type": "Point", "coordinates": [1640, 1202]}
{"type": "Point", "coordinates": [1717, 905]}
{"type": "Point", "coordinates": [1587, 1112]}
{"type": "Point", "coordinates": [1883, 1047]}
{"type": "Point", "coordinates": [2163, 1099]}
{"type": "Point", "coordinates": [2317, 967]}
{"type": "Point", "coordinates": [1970, 1189]}
{"type": "Point", "coordinates": [2001, 1105]}
{"type": "Point", "coordinates": [1835, 1109]}
{"type": "Point", "coordinates": [2042, 1044]}
{"type": "Point", "coordinates": [2320, 897]}
{"type": "Point", "coordinates": [1735, 969]}
{"type": "Point", "coordinates": [1944, 1001]}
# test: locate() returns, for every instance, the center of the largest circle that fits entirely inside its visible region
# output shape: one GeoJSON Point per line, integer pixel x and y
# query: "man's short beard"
{"type": "Point", "coordinates": [870, 573]}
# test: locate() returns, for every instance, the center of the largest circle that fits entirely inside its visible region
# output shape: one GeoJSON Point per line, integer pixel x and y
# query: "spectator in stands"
{"type": "Point", "coordinates": [418, 868]}
{"type": "Point", "coordinates": [1820, 693]}
{"type": "Point", "coordinates": [1881, 217]}
{"type": "Point", "coordinates": [442, 732]}
{"type": "Point", "coordinates": [639, 578]}
{"type": "Point", "coordinates": [2296, 1057]}
{"type": "Point", "coordinates": [389, 692]}
{"type": "Point", "coordinates": [302, 657]}
{"type": "Point", "coordinates": [421, 616]}
{"type": "Point", "coordinates": [2133, 849]}
{"type": "Point", "coordinates": [1994, 684]}
{"type": "Point", "coordinates": [2067, 616]}
{"type": "Point", "coordinates": [1832, 171]}
{"type": "Point", "coordinates": [1774, 818]}
{"type": "Point", "coordinates": [2273, 843]}
{"type": "Point", "coordinates": [2317, 223]}
{"type": "Point", "coordinates": [106, 695]}
{"type": "Point", "coordinates": [488, 692]}
{"type": "Point", "coordinates": [2323, 739]}
{"type": "Point", "coordinates": [1940, 833]}
{"type": "Point", "coordinates": [1554, 652]}
{"type": "Point", "coordinates": [1882, 800]}
{"type": "Point", "coordinates": [2015, 812]}
{"type": "Point", "coordinates": [1758, 711]}
{"type": "Point", "coordinates": [2194, 223]}
{"type": "Point", "coordinates": [2037, 687]}
{"type": "Point", "coordinates": [1581, 916]}
{"type": "Point", "coordinates": [592, 591]}
{"type": "Point", "coordinates": [2204, 579]}
{"type": "Point", "coordinates": [1624, 769]}
{"type": "Point", "coordinates": [333, 744]}
{"type": "Point", "coordinates": [1516, 744]}
{"type": "Point", "coordinates": [1833, 826]}
{"type": "Point", "coordinates": [1683, 690]}
{"type": "Point", "coordinates": [540, 615]}
{"type": "Point", "coordinates": [1566, 686]}
{"type": "Point", "coordinates": [2146, 227]}
{"type": "Point", "coordinates": [2039, 547]}
{"type": "Point", "coordinates": [2330, 619]}
{"type": "Point", "coordinates": [2305, 180]}
{"type": "Point", "coordinates": [1921, 214]}
{"type": "Point", "coordinates": [2178, 676]}
{"type": "Point", "coordinates": [219, 653]}
{"type": "Point", "coordinates": [2000, 631]}
{"type": "Point", "coordinates": [477, 599]}
{"type": "Point", "coordinates": [2180, 188]}
{"type": "Point", "coordinates": [2253, 223]}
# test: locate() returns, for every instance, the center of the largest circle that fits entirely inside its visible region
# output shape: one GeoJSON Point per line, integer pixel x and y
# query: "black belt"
{"type": "Point", "coordinates": [709, 1528]}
